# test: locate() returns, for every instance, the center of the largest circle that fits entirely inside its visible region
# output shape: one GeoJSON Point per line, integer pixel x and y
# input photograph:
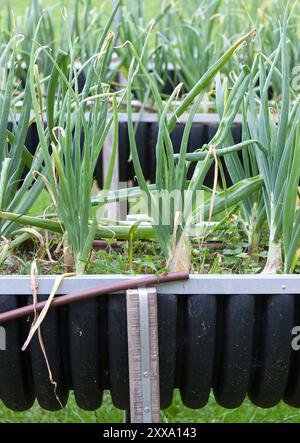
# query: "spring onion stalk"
{"type": "Point", "coordinates": [76, 136]}
{"type": "Point", "coordinates": [17, 165]}
{"type": "Point", "coordinates": [241, 167]}
{"type": "Point", "coordinates": [278, 130]}
{"type": "Point", "coordinates": [133, 27]}
{"type": "Point", "coordinates": [193, 42]}
{"type": "Point", "coordinates": [27, 27]}
{"type": "Point", "coordinates": [171, 173]}
{"type": "Point", "coordinates": [145, 231]}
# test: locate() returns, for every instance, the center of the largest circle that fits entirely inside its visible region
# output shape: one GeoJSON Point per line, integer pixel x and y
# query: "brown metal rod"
{"type": "Point", "coordinates": [103, 244]}
{"type": "Point", "coordinates": [94, 292]}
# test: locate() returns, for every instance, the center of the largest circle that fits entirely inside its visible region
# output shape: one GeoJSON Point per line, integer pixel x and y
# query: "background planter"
{"type": "Point", "coordinates": [212, 335]}
{"type": "Point", "coordinates": [203, 130]}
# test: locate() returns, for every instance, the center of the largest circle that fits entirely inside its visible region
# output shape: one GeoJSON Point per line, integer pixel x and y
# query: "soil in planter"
{"type": "Point", "coordinates": [224, 252]}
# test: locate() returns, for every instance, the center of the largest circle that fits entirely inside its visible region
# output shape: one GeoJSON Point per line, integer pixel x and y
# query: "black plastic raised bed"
{"type": "Point", "coordinates": [228, 334]}
{"type": "Point", "coordinates": [203, 130]}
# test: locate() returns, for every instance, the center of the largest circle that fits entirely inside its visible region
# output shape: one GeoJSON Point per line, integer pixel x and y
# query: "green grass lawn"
{"type": "Point", "coordinates": [177, 413]}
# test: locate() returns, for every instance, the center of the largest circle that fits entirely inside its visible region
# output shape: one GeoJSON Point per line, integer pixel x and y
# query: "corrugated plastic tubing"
{"type": "Point", "coordinates": [235, 345]}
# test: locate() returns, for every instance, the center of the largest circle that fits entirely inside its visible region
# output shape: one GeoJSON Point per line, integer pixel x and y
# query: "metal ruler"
{"type": "Point", "coordinates": [143, 355]}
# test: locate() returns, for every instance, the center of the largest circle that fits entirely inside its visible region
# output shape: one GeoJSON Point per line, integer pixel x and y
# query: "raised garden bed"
{"type": "Point", "coordinates": [203, 130]}
{"type": "Point", "coordinates": [228, 333]}
{"type": "Point", "coordinates": [214, 194]}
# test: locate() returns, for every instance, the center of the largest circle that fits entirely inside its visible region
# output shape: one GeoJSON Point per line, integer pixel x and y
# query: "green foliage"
{"type": "Point", "coordinates": [171, 172]}
{"type": "Point", "coordinates": [277, 128]}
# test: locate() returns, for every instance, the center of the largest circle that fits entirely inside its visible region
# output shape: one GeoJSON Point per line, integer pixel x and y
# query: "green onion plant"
{"type": "Point", "coordinates": [277, 129]}
{"type": "Point", "coordinates": [171, 173]}
{"type": "Point", "coordinates": [18, 185]}
{"type": "Point", "coordinates": [78, 124]}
